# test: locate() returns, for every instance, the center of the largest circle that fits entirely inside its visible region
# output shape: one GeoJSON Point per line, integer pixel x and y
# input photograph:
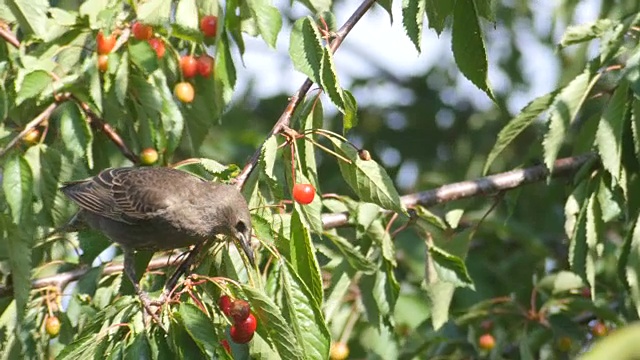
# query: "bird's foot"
{"type": "Point", "coordinates": [151, 307]}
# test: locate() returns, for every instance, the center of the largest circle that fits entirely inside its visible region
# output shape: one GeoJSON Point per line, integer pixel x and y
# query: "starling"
{"type": "Point", "coordinates": [159, 209]}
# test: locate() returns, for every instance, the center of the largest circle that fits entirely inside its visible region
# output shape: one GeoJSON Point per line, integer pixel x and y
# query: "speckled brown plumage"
{"type": "Point", "coordinates": [159, 209]}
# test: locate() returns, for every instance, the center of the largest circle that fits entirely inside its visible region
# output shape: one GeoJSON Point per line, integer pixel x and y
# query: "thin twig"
{"type": "Point", "coordinates": [96, 121]}
{"type": "Point", "coordinates": [296, 99]}
{"type": "Point", "coordinates": [30, 125]}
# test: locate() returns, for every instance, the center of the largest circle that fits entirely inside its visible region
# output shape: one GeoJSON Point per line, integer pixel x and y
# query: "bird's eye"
{"type": "Point", "coordinates": [241, 227]}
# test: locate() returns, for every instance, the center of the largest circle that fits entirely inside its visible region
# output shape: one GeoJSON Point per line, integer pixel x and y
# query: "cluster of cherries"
{"type": "Point", "coordinates": [244, 322]}
{"type": "Point", "coordinates": [190, 66]}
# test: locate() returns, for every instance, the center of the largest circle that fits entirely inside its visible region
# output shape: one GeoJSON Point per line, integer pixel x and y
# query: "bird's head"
{"type": "Point", "coordinates": [233, 219]}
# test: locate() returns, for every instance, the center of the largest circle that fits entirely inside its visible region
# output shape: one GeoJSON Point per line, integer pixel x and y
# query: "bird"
{"type": "Point", "coordinates": [159, 208]}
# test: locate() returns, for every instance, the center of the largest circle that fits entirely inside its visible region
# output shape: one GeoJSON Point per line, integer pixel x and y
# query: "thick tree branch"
{"type": "Point", "coordinates": [563, 168]}
{"type": "Point", "coordinates": [62, 279]}
{"type": "Point", "coordinates": [482, 186]}
{"type": "Point", "coordinates": [296, 99]}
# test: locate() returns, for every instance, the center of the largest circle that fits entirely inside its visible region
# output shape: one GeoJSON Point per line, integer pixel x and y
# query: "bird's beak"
{"type": "Point", "coordinates": [244, 239]}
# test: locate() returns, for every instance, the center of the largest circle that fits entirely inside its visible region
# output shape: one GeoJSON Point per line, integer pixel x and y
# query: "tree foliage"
{"type": "Point", "coordinates": [413, 276]}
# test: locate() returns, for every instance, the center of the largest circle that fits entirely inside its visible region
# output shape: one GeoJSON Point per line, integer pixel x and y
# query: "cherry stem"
{"type": "Point", "coordinates": [292, 146]}
{"type": "Point", "coordinates": [326, 149]}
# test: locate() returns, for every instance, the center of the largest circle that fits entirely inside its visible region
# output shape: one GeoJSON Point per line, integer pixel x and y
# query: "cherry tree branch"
{"type": "Point", "coordinates": [61, 280]}
{"type": "Point", "coordinates": [482, 186]}
{"type": "Point", "coordinates": [513, 179]}
{"type": "Point", "coordinates": [96, 121]}
{"type": "Point", "coordinates": [30, 125]}
{"type": "Point", "coordinates": [295, 100]}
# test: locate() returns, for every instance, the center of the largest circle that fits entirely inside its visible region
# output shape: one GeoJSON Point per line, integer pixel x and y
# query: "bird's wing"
{"type": "Point", "coordinates": [92, 196]}
{"type": "Point", "coordinates": [122, 194]}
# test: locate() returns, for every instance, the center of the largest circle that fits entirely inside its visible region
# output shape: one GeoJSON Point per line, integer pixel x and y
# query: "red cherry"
{"type": "Point", "coordinates": [224, 303]}
{"type": "Point", "coordinates": [487, 342]}
{"type": "Point", "coordinates": [599, 329]}
{"type": "Point", "coordinates": [239, 310]}
{"type": "Point", "coordinates": [339, 351]}
{"type": "Point", "coordinates": [32, 137]}
{"type": "Point", "coordinates": [157, 45]}
{"type": "Point", "coordinates": [564, 344]}
{"type": "Point", "coordinates": [225, 345]}
{"type": "Point", "coordinates": [304, 193]}
{"type": "Point", "coordinates": [141, 31]}
{"type": "Point", "coordinates": [105, 43]}
{"type": "Point", "coordinates": [52, 326]}
{"type": "Point", "coordinates": [205, 65]}
{"type": "Point", "coordinates": [189, 66]}
{"type": "Point", "coordinates": [148, 156]}
{"type": "Point", "coordinates": [242, 333]}
{"type": "Point", "coordinates": [209, 25]}
{"type": "Point", "coordinates": [184, 92]}
{"type": "Point", "coordinates": [103, 62]}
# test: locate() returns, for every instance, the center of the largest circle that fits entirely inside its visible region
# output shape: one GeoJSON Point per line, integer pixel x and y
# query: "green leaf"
{"type": "Point", "coordinates": [306, 171]}
{"type": "Point", "coordinates": [449, 268]}
{"type": "Point", "coordinates": [382, 290]}
{"type": "Point", "coordinates": [154, 12]}
{"type": "Point", "coordinates": [611, 129]}
{"type": "Point", "coordinates": [350, 118]}
{"type": "Point", "coordinates": [440, 291]}
{"type": "Point", "coordinates": [484, 9]}
{"type": "Point", "coordinates": [187, 15]}
{"type": "Point", "coordinates": [635, 127]}
{"type": "Point", "coordinates": [329, 81]}
{"type": "Point", "coordinates": [17, 184]}
{"type": "Point", "coordinates": [225, 77]}
{"type": "Point", "coordinates": [267, 19]}
{"type": "Point", "coordinates": [183, 344]}
{"type": "Point", "coordinates": [386, 5]}
{"type": "Point", "coordinates": [584, 32]}
{"type": "Point", "coordinates": [75, 132]}
{"type": "Point", "coordinates": [468, 46]}
{"type": "Point", "coordinates": [437, 13]}
{"type": "Point", "coordinates": [629, 264]}
{"type": "Point", "coordinates": [302, 311]}
{"type": "Point", "coordinates": [143, 56]}
{"type": "Point", "coordinates": [4, 103]}
{"type": "Point", "coordinates": [267, 163]}
{"type": "Point", "coordinates": [367, 178]}
{"type": "Point", "coordinates": [560, 282]}
{"type": "Point", "coordinates": [122, 78]}
{"type": "Point", "coordinates": [576, 218]}
{"type": "Point", "coordinates": [302, 256]}
{"type": "Point", "coordinates": [31, 16]}
{"type": "Point", "coordinates": [305, 48]}
{"type": "Point", "coordinates": [431, 218]}
{"type": "Point", "coordinates": [170, 115]}
{"type": "Point", "coordinates": [563, 111]}
{"type": "Point", "coordinates": [32, 85]}
{"type": "Point", "coordinates": [139, 348]}
{"type": "Point", "coordinates": [593, 230]}
{"type": "Point", "coordinates": [518, 124]}
{"type": "Point", "coordinates": [199, 327]}
{"type": "Point", "coordinates": [379, 234]}
{"type": "Point", "coordinates": [274, 327]}
{"type": "Point", "coordinates": [354, 257]}
{"type": "Point", "coordinates": [413, 19]}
